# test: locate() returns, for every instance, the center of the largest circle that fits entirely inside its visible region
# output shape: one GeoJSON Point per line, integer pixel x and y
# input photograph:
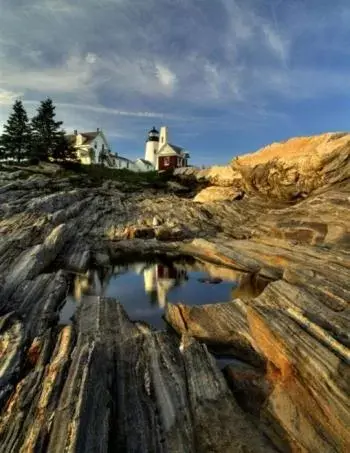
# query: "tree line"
{"type": "Point", "coordinates": [39, 139]}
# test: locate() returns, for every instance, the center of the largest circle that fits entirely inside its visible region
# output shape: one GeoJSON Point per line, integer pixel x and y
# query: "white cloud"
{"type": "Point", "coordinates": [277, 44]}
{"type": "Point", "coordinates": [166, 77]}
{"type": "Point", "coordinates": [53, 6]}
{"type": "Point", "coordinates": [73, 75]}
{"type": "Point", "coordinates": [113, 111]}
{"type": "Point", "coordinates": [90, 58]}
{"type": "Point", "coordinates": [8, 97]}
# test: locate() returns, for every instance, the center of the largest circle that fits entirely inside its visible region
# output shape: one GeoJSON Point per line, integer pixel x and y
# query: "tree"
{"type": "Point", "coordinates": [64, 150]}
{"type": "Point", "coordinates": [48, 139]}
{"type": "Point", "coordinates": [16, 138]}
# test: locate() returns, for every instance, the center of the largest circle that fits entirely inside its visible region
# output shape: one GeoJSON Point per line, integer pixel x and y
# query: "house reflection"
{"type": "Point", "coordinates": [93, 283]}
{"type": "Point", "coordinates": [160, 279]}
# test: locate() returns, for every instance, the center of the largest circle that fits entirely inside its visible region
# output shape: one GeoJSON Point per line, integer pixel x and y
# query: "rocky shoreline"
{"type": "Point", "coordinates": [106, 383]}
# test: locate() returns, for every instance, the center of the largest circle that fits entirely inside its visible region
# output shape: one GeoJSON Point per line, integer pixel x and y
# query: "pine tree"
{"type": "Point", "coordinates": [16, 138]}
{"type": "Point", "coordinates": [48, 139]}
{"type": "Point", "coordinates": [64, 150]}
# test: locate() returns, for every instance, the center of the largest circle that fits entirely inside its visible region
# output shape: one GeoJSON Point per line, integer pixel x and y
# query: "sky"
{"type": "Point", "coordinates": [226, 76]}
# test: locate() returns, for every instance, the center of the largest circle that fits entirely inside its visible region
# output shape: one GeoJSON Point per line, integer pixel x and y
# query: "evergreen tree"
{"type": "Point", "coordinates": [48, 139]}
{"type": "Point", "coordinates": [64, 150]}
{"type": "Point", "coordinates": [16, 138]}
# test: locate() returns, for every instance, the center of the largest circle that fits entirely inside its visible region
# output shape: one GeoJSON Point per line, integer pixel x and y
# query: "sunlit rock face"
{"type": "Point", "coordinates": [288, 170]}
{"type": "Point", "coordinates": [213, 193]}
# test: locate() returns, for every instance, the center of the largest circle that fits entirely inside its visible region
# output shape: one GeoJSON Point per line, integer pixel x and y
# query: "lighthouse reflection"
{"type": "Point", "coordinates": [144, 288]}
{"type": "Point", "coordinates": [159, 281]}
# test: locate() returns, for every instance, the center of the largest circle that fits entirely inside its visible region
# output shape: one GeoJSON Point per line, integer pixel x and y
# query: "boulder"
{"type": "Point", "coordinates": [215, 193]}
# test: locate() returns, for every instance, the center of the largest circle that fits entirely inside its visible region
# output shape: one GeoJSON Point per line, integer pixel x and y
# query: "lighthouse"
{"type": "Point", "coordinates": [152, 146]}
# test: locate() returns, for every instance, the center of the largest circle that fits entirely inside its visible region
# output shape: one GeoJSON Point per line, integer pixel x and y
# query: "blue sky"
{"type": "Point", "coordinates": [227, 76]}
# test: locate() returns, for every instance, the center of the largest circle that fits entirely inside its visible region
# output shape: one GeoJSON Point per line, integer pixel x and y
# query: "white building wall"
{"type": "Point", "coordinates": [163, 136]}
{"type": "Point", "coordinates": [142, 167]}
{"type": "Point", "coordinates": [98, 144]}
{"type": "Point", "coordinates": [128, 164]}
{"type": "Point", "coordinates": [150, 152]}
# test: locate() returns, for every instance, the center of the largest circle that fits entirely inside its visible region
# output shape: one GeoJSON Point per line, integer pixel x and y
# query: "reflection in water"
{"type": "Point", "coordinates": [158, 280]}
{"type": "Point", "coordinates": [144, 288]}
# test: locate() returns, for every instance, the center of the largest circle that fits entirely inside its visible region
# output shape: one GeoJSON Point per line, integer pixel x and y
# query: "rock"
{"type": "Point", "coordinates": [106, 383]}
{"type": "Point", "coordinates": [35, 260]}
{"type": "Point", "coordinates": [175, 187]}
{"type": "Point", "coordinates": [223, 327]}
{"type": "Point", "coordinates": [165, 233]}
{"type": "Point", "coordinates": [218, 175]}
{"type": "Point", "coordinates": [102, 259]}
{"type": "Point", "coordinates": [156, 221]}
{"type": "Point", "coordinates": [11, 344]}
{"type": "Point", "coordinates": [139, 233]}
{"type": "Point", "coordinates": [39, 392]}
{"type": "Point", "coordinates": [214, 193]}
{"type": "Point", "coordinates": [249, 385]}
{"type": "Point", "coordinates": [293, 361]}
{"type": "Point", "coordinates": [186, 173]}
{"type": "Point", "coordinates": [55, 201]}
{"type": "Point", "coordinates": [78, 257]}
{"type": "Point", "coordinates": [297, 166]}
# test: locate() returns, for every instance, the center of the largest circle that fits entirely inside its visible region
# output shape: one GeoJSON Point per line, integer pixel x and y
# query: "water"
{"type": "Point", "coordinates": [145, 287]}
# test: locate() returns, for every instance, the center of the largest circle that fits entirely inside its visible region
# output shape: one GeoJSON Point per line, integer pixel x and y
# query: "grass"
{"type": "Point", "coordinates": [98, 174]}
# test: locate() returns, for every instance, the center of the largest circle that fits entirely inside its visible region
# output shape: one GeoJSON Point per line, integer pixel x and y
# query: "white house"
{"type": "Point", "coordinates": [123, 162]}
{"type": "Point", "coordinates": [161, 153]}
{"type": "Point", "coordinates": [92, 148]}
{"type": "Point", "coordinates": [143, 165]}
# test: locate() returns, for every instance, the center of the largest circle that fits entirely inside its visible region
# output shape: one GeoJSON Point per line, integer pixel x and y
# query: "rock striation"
{"type": "Point", "coordinates": [288, 170]}
{"type": "Point", "coordinates": [278, 221]}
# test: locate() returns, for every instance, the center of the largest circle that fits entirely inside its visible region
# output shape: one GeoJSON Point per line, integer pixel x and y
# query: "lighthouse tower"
{"type": "Point", "coordinates": [152, 145]}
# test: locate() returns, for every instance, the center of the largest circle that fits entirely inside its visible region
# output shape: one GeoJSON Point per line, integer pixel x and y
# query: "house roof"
{"type": "Point", "coordinates": [170, 150]}
{"type": "Point", "coordinates": [88, 137]}
{"type": "Point", "coordinates": [146, 162]}
{"type": "Point", "coordinates": [177, 149]}
{"type": "Point", "coordinates": [123, 158]}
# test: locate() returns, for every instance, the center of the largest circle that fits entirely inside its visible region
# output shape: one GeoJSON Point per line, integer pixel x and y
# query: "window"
{"type": "Point", "coordinates": [166, 161]}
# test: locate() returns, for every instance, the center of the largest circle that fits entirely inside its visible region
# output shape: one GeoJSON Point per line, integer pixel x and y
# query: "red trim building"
{"type": "Point", "coordinates": [162, 154]}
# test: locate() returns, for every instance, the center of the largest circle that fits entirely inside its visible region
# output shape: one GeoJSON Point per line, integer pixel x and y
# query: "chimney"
{"type": "Point", "coordinates": [75, 132]}
{"type": "Point", "coordinates": [163, 135]}
{"type": "Point", "coordinates": [98, 129]}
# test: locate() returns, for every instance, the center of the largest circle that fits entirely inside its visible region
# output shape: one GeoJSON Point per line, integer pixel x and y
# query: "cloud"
{"type": "Point", "coordinates": [8, 97]}
{"type": "Point", "coordinates": [52, 7]}
{"type": "Point", "coordinates": [277, 44]}
{"type": "Point", "coordinates": [74, 75]}
{"type": "Point", "coordinates": [90, 58]}
{"type": "Point", "coordinates": [112, 111]}
{"type": "Point", "coordinates": [166, 77]}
